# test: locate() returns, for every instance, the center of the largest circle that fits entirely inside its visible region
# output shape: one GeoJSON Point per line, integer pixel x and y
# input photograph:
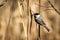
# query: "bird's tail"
{"type": "Point", "coordinates": [46, 27]}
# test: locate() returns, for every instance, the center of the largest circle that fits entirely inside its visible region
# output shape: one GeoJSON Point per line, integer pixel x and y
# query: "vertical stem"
{"type": "Point", "coordinates": [38, 38]}
{"type": "Point", "coordinates": [31, 20]}
{"type": "Point", "coordinates": [39, 24]}
{"type": "Point", "coordinates": [39, 31]}
{"type": "Point", "coordinates": [28, 16]}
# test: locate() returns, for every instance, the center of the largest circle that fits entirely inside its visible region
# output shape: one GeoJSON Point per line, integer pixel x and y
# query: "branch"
{"type": "Point", "coordinates": [54, 7]}
{"type": "Point", "coordinates": [31, 20]}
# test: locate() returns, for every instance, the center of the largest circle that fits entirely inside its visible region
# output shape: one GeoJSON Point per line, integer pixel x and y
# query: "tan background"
{"type": "Point", "coordinates": [19, 24]}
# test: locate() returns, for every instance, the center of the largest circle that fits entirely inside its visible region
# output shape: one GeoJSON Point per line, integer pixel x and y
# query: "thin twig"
{"type": "Point", "coordinates": [31, 20]}
{"type": "Point", "coordinates": [54, 7]}
{"type": "Point", "coordinates": [22, 4]}
{"type": "Point", "coordinates": [27, 14]}
{"type": "Point", "coordinates": [38, 38]}
{"type": "Point", "coordinates": [42, 6]}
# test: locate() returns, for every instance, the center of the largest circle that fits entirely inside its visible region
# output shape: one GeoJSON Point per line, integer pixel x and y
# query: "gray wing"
{"type": "Point", "coordinates": [40, 21]}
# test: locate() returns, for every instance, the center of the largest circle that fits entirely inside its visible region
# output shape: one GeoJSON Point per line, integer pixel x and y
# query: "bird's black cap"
{"type": "Point", "coordinates": [36, 13]}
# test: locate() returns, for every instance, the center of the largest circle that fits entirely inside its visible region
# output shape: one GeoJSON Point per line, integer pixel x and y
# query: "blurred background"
{"type": "Point", "coordinates": [15, 19]}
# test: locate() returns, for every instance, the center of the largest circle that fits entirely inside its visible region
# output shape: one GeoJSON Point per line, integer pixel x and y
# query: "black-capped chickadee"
{"type": "Point", "coordinates": [39, 20]}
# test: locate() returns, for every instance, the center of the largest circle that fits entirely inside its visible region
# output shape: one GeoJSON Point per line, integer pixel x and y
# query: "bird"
{"type": "Point", "coordinates": [38, 19]}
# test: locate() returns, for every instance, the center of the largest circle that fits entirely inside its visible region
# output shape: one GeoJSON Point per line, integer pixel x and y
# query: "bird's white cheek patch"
{"type": "Point", "coordinates": [37, 16]}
